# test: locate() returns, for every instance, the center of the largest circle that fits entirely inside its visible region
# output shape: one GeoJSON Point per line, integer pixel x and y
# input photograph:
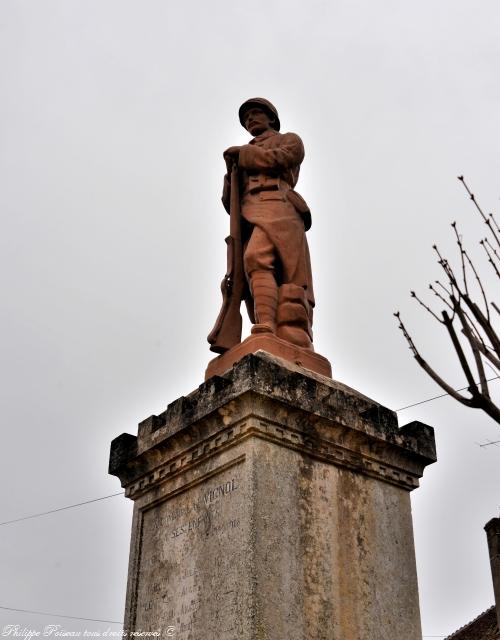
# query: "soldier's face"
{"type": "Point", "coordinates": [257, 121]}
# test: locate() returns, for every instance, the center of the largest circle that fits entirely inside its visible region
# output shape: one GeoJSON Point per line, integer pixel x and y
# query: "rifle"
{"type": "Point", "coordinates": [227, 329]}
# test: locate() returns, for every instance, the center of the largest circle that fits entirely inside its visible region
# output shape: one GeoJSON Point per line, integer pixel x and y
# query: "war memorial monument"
{"type": "Point", "coordinates": [271, 503]}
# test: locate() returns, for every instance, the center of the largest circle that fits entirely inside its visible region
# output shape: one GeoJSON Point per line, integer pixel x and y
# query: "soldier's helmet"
{"type": "Point", "coordinates": [265, 105]}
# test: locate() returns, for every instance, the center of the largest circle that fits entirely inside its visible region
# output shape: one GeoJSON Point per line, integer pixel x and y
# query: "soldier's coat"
{"type": "Point", "coordinates": [269, 169]}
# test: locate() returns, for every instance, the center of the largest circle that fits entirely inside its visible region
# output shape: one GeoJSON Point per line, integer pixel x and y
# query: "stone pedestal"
{"type": "Point", "coordinates": [272, 345]}
{"type": "Point", "coordinates": [273, 504]}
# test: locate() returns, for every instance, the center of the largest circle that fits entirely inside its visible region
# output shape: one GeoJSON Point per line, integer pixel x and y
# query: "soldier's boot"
{"type": "Point", "coordinates": [265, 295]}
{"type": "Point", "coordinates": [294, 316]}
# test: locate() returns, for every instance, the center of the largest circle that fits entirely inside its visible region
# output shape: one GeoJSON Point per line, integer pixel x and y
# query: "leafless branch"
{"type": "Point", "coordinates": [411, 344]}
{"type": "Point", "coordinates": [427, 308]}
{"type": "Point", "coordinates": [494, 222]}
{"type": "Point", "coordinates": [479, 337]}
{"type": "Point", "coordinates": [486, 351]}
{"type": "Point", "coordinates": [490, 252]}
{"type": "Point", "coordinates": [442, 287]}
{"type": "Point", "coordinates": [486, 219]}
{"type": "Point", "coordinates": [480, 284]}
{"type": "Point", "coordinates": [484, 324]}
{"type": "Point", "coordinates": [462, 255]}
{"type": "Point", "coordinates": [445, 265]}
{"type": "Point", "coordinates": [492, 248]}
{"type": "Point", "coordinates": [475, 352]}
{"type": "Point", "coordinates": [441, 297]}
{"type": "Point", "coordinates": [460, 353]}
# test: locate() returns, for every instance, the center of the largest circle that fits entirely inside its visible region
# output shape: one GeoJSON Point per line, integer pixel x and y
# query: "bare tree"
{"type": "Point", "coordinates": [467, 318]}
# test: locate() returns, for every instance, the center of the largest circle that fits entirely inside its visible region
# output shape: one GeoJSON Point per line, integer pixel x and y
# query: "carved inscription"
{"type": "Point", "coordinates": [220, 491]}
{"type": "Point", "coordinates": [201, 522]}
{"type": "Point", "coordinates": [191, 567]}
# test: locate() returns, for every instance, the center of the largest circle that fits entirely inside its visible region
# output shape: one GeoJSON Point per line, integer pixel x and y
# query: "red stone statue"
{"type": "Point", "coordinates": [268, 255]}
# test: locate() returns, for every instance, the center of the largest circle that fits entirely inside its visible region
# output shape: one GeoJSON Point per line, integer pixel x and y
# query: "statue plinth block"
{"type": "Point", "coordinates": [272, 503]}
{"type": "Point", "coordinates": [270, 343]}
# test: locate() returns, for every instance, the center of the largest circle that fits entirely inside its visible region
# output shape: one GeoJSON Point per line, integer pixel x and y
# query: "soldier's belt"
{"type": "Point", "coordinates": [256, 184]}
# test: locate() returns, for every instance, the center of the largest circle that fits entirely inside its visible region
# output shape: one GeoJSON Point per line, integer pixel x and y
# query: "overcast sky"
{"type": "Point", "coordinates": [114, 116]}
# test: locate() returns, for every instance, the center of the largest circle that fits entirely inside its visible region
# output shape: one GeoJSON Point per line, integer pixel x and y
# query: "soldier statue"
{"type": "Point", "coordinates": [268, 255]}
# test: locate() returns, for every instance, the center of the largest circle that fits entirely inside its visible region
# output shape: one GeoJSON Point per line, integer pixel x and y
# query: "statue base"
{"type": "Point", "coordinates": [270, 343]}
{"type": "Point", "coordinates": [273, 504]}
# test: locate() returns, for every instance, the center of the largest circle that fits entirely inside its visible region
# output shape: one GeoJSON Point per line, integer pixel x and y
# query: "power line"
{"type": "Point", "coordinates": [59, 615]}
{"type": "Point", "coordinates": [120, 493]}
{"type": "Point", "coordinates": [70, 506]}
{"type": "Point", "coordinates": [490, 442]}
{"type": "Point", "coordinates": [435, 398]}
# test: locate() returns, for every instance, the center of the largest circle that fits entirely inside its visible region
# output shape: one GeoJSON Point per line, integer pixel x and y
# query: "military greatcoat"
{"type": "Point", "coordinates": [269, 169]}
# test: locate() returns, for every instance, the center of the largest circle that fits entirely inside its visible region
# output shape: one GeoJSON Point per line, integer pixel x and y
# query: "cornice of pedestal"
{"type": "Point", "coordinates": [264, 397]}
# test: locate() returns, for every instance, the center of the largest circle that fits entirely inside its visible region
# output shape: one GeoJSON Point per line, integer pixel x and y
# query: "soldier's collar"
{"type": "Point", "coordinates": [264, 136]}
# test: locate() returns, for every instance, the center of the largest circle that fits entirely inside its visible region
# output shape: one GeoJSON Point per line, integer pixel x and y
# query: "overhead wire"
{"type": "Point", "coordinates": [120, 493]}
{"type": "Point", "coordinates": [442, 395]}
{"type": "Point", "coordinates": [70, 506]}
{"type": "Point", "coordinates": [59, 615]}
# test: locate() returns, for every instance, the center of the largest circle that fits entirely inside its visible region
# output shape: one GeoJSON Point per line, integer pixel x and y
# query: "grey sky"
{"type": "Point", "coordinates": [114, 116]}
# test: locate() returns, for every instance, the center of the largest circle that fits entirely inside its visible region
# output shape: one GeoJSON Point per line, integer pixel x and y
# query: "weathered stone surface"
{"type": "Point", "coordinates": [492, 529]}
{"type": "Point", "coordinates": [272, 504]}
{"type": "Point", "coordinates": [271, 344]}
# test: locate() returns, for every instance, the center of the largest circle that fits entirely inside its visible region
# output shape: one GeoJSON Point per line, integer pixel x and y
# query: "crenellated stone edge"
{"type": "Point", "coordinates": [320, 417]}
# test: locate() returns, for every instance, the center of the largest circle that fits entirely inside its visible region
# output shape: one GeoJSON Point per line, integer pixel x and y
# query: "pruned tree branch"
{"type": "Point", "coordinates": [441, 297]}
{"type": "Point", "coordinates": [476, 343]}
{"type": "Point", "coordinates": [485, 351]}
{"type": "Point", "coordinates": [461, 355]}
{"type": "Point", "coordinates": [491, 253]}
{"type": "Point", "coordinates": [475, 351]}
{"type": "Point", "coordinates": [426, 307]}
{"type": "Point", "coordinates": [489, 220]}
{"type": "Point", "coordinates": [469, 402]}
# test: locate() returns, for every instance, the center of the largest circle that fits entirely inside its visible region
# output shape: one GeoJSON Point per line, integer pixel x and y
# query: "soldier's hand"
{"type": "Point", "coordinates": [231, 154]}
{"type": "Point", "coordinates": [229, 163]}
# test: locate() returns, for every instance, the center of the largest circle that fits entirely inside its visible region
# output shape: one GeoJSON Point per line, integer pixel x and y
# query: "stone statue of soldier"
{"type": "Point", "coordinates": [274, 218]}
